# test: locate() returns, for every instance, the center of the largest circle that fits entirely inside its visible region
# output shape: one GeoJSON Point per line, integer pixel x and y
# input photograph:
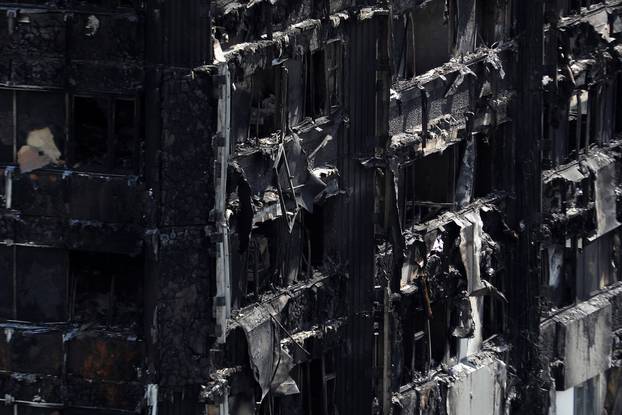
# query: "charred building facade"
{"type": "Point", "coordinates": [310, 207]}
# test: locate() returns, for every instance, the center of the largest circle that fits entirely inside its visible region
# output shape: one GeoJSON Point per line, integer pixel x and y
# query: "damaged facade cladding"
{"type": "Point", "coordinates": [580, 330]}
{"type": "Point", "coordinates": [310, 207]}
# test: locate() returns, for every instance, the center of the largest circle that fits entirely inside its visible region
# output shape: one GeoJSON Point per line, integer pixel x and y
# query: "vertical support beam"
{"type": "Point", "coordinates": [524, 279]}
{"type": "Point", "coordinates": [14, 275]}
{"type": "Point", "coordinates": [150, 166]}
{"type": "Point", "coordinates": [578, 123]}
{"type": "Point", "coordinates": [283, 101]}
{"type": "Point", "coordinates": [355, 223]}
{"type": "Point", "coordinates": [8, 186]}
{"type": "Point", "coordinates": [14, 98]}
{"type": "Point", "coordinates": [223, 280]}
{"type": "Point", "coordinates": [391, 224]}
{"type": "Point", "coordinates": [588, 113]}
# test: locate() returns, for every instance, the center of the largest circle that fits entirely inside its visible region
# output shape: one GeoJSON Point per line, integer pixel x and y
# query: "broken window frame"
{"type": "Point", "coordinates": [331, 96]}
{"type": "Point", "coordinates": [423, 343]}
{"type": "Point", "coordinates": [564, 294]}
{"type": "Point", "coordinates": [406, 63]}
{"type": "Point", "coordinates": [415, 334]}
{"type": "Point", "coordinates": [605, 244]}
{"type": "Point", "coordinates": [285, 189]}
{"type": "Point", "coordinates": [408, 180]}
{"type": "Point", "coordinates": [110, 158]}
{"type": "Point", "coordinates": [334, 75]}
{"type": "Point", "coordinates": [445, 340]}
{"type": "Point", "coordinates": [278, 88]}
{"type": "Point", "coordinates": [252, 288]}
{"type": "Point", "coordinates": [581, 130]}
{"type": "Point", "coordinates": [313, 109]}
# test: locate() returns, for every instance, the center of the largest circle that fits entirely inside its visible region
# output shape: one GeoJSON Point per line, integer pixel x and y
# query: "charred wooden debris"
{"type": "Point", "coordinates": [310, 207]}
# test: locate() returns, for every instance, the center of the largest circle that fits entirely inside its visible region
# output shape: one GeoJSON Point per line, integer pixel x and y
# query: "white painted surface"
{"type": "Point", "coordinates": [564, 402]}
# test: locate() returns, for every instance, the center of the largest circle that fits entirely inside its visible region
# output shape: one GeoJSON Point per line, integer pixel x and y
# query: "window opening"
{"type": "Point", "coordinates": [106, 288]}
{"type": "Point", "coordinates": [91, 133]}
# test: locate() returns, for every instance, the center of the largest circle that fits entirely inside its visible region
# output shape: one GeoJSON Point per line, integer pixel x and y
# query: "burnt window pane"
{"type": "Point", "coordinates": [107, 287]}
{"type": "Point", "coordinates": [90, 136]}
{"type": "Point", "coordinates": [6, 126]}
{"type": "Point", "coordinates": [41, 284]}
{"type": "Point", "coordinates": [125, 135]}
{"type": "Point", "coordinates": [92, 285]}
{"type": "Point", "coordinates": [6, 282]}
{"type": "Point", "coordinates": [38, 351]}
